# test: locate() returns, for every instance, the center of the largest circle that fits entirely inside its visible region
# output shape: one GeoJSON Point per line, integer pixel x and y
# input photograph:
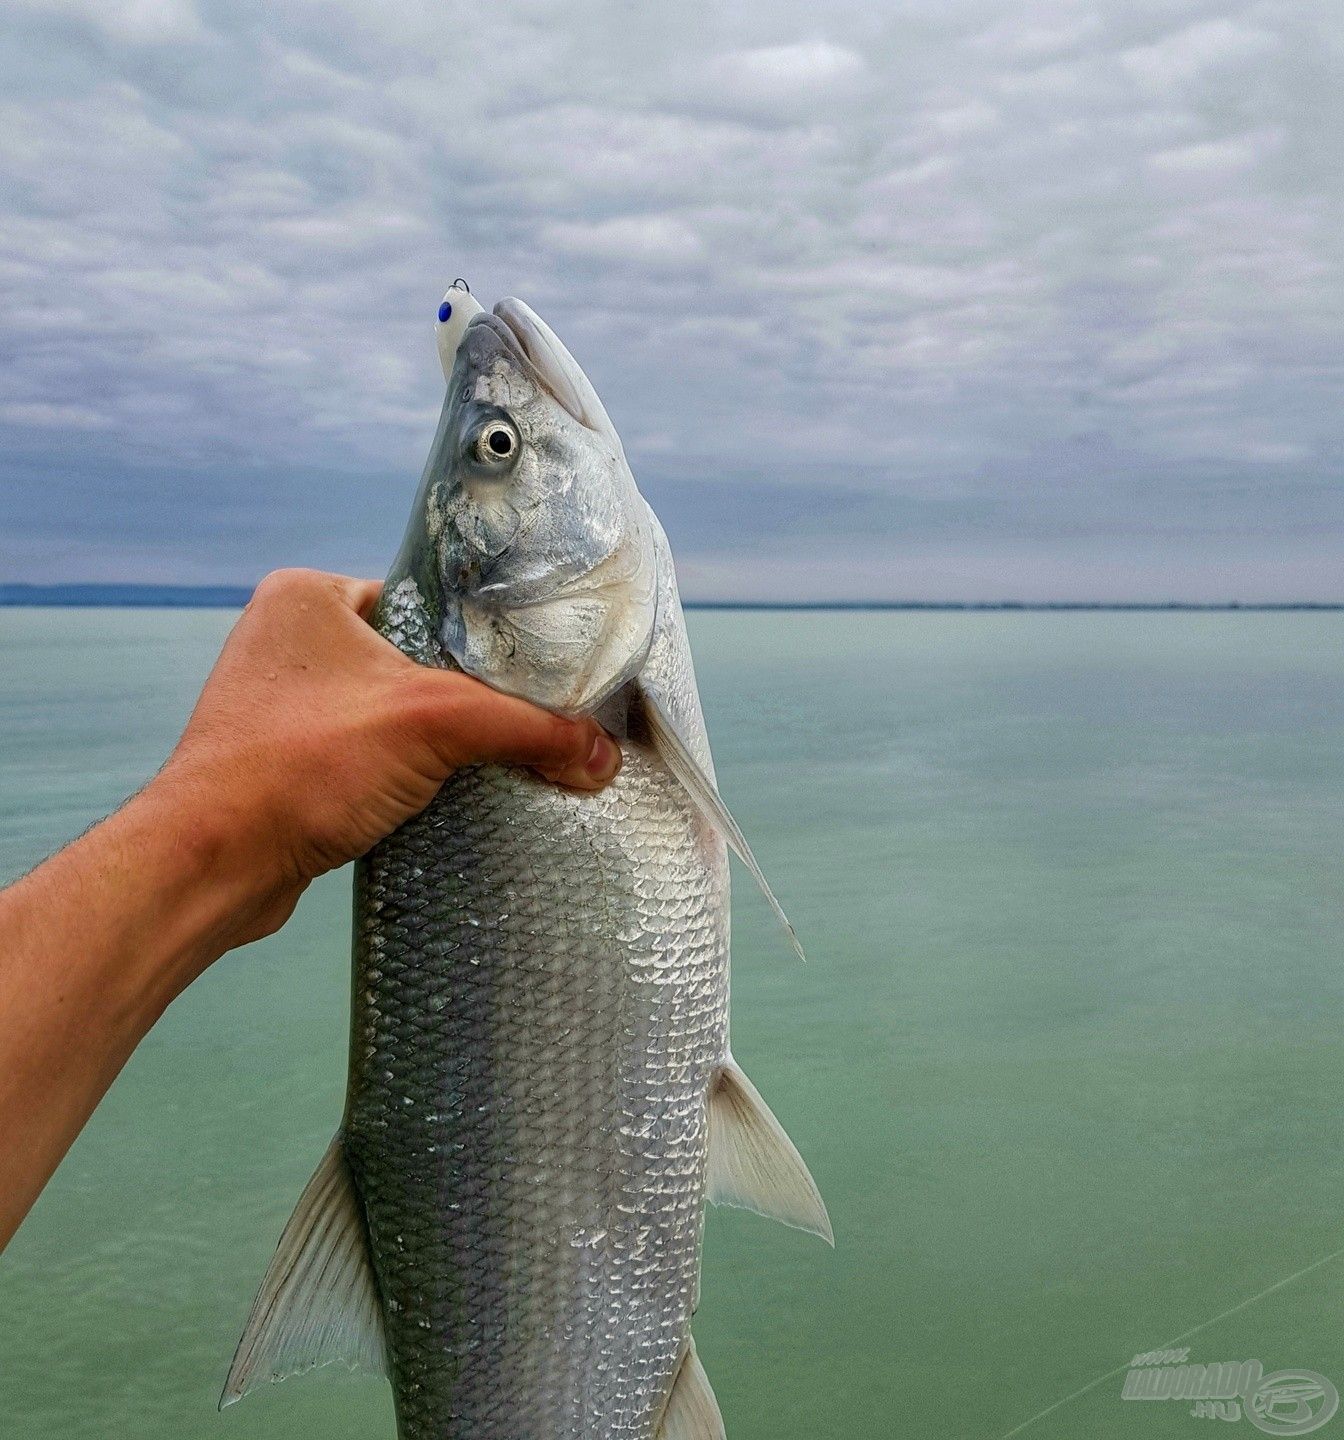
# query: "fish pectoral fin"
{"type": "Point", "coordinates": [673, 752]}
{"type": "Point", "coordinates": [318, 1300]}
{"type": "Point", "coordinates": [753, 1164]}
{"type": "Point", "coordinates": [691, 1412]}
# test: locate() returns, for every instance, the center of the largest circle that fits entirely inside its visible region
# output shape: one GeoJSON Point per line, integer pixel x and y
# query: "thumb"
{"type": "Point", "coordinates": [468, 723]}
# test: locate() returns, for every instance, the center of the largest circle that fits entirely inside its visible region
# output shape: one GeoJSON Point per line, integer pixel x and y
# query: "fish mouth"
{"type": "Point", "coordinates": [507, 339]}
{"type": "Point", "coordinates": [537, 351]}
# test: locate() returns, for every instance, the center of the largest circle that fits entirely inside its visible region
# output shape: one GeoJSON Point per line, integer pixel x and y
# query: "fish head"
{"type": "Point", "coordinates": [543, 545]}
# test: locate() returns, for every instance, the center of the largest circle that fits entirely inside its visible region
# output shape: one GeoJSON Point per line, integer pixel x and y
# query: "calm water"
{"type": "Point", "coordinates": [1066, 1061]}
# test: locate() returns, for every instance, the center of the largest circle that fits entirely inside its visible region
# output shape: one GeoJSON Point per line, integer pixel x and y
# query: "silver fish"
{"type": "Point", "coordinates": [541, 1093]}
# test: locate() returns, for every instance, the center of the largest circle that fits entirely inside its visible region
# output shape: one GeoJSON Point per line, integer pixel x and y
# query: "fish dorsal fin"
{"type": "Point", "coordinates": [318, 1301]}
{"type": "Point", "coordinates": [673, 752]}
{"type": "Point", "coordinates": [753, 1164]}
{"type": "Point", "coordinates": [691, 1412]}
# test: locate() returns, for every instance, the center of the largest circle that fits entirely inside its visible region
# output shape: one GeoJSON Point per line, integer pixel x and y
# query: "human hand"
{"type": "Point", "coordinates": [314, 738]}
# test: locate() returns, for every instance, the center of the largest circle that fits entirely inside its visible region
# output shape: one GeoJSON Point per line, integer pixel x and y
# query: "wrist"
{"type": "Point", "coordinates": [204, 892]}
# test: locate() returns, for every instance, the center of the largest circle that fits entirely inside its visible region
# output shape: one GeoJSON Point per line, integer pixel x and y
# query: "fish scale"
{"type": "Point", "coordinates": [552, 1004]}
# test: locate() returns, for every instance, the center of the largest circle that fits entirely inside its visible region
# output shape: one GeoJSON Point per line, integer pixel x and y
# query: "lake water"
{"type": "Point", "coordinates": [1066, 1060]}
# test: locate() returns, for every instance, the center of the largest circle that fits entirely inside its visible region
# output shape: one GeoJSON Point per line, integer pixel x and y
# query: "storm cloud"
{"type": "Point", "coordinates": [912, 300]}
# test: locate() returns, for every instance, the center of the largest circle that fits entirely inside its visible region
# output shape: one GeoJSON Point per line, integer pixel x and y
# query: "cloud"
{"type": "Point", "coordinates": [52, 417]}
{"type": "Point", "coordinates": [650, 240]}
{"type": "Point", "coordinates": [1192, 51]}
{"type": "Point", "coordinates": [910, 258]}
{"type": "Point", "coordinates": [1215, 156]}
{"type": "Point", "coordinates": [811, 65]}
{"type": "Point", "coordinates": [127, 22]}
{"type": "Point", "coordinates": [781, 81]}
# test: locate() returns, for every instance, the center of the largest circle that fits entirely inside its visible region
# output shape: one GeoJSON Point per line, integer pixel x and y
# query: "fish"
{"type": "Point", "coordinates": [542, 1096]}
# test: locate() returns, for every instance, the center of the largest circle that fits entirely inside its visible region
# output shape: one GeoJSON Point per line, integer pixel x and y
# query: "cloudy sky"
{"type": "Point", "coordinates": [925, 298]}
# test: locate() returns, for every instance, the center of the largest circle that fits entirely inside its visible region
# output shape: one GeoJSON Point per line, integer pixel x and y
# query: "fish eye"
{"type": "Point", "coordinates": [445, 310]}
{"type": "Point", "coordinates": [496, 441]}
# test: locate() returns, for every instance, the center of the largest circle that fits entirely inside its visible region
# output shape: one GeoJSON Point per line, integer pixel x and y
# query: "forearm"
{"type": "Point", "coordinates": [98, 941]}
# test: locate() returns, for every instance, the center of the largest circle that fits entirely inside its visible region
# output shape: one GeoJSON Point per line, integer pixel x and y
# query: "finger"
{"type": "Point", "coordinates": [360, 595]}
{"type": "Point", "coordinates": [476, 724]}
{"type": "Point", "coordinates": [296, 587]}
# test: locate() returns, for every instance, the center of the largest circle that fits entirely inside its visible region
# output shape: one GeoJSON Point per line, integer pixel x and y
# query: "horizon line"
{"type": "Point", "coordinates": [129, 595]}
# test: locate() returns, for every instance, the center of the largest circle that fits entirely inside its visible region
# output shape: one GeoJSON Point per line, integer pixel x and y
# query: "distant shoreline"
{"type": "Point", "coordinates": [233, 597]}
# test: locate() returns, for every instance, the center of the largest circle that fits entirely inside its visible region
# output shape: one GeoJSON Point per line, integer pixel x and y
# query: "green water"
{"type": "Point", "coordinates": [1066, 1060]}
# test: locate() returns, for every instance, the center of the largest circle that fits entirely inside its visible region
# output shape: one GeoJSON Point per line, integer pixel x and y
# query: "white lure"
{"type": "Point", "coordinates": [457, 310]}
